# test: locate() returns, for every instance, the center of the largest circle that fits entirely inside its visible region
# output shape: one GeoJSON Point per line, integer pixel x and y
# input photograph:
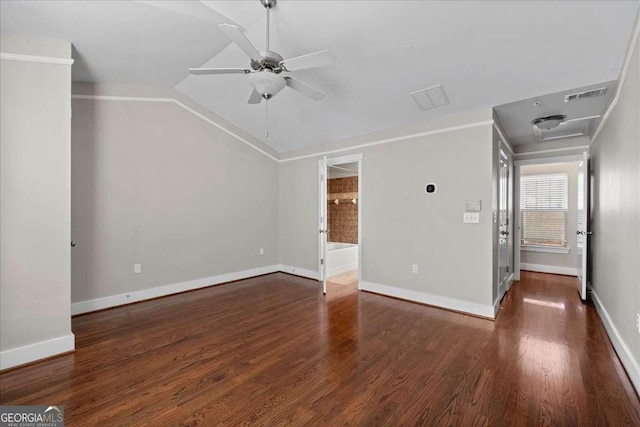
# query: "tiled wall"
{"type": "Point", "coordinates": [342, 218]}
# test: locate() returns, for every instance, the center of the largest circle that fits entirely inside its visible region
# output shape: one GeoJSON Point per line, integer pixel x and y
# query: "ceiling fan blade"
{"type": "Point", "coordinates": [202, 71]}
{"type": "Point", "coordinates": [255, 98]}
{"type": "Point", "coordinates": [304, 89]}
{"type": "Point", "coordinates": [597, 116]}
{"type": "Point", "coordinates": [237, 36]}
{"type": "Point", "coordinates": [310, 60]}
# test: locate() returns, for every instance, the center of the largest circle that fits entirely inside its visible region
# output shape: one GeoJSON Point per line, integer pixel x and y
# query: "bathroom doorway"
{"type": "Point", "coordinates": [341, 225]}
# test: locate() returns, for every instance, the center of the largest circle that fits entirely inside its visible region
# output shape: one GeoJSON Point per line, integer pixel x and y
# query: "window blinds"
{"type": "Point", "coordinates": [543, 207]}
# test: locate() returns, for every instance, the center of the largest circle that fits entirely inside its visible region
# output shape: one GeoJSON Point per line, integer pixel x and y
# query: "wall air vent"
{"type": "Point", "coordinates": [586, 94]}
{"type": "Point", "coordinates": [429, 98]}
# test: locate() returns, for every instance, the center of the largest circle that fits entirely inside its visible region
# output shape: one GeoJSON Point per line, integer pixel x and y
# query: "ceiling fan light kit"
{"type": "Point", "coordinates": [267, 83]}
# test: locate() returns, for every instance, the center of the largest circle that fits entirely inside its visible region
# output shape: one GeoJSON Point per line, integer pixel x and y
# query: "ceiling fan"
{"type": "Point", "coordinates": [267, 67]}
{"type": "Point", "coordinates": [548, 123]}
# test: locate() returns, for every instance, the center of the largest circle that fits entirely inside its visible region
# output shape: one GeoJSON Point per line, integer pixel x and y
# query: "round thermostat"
{"type": "Point", "coordinates": [430, 188]}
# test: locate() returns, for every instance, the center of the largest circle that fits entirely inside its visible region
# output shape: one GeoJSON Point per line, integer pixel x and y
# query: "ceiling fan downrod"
{"type": "Point", "coordinates": [268, 4]}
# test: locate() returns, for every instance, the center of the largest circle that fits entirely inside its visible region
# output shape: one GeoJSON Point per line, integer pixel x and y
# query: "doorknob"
{"type": "Point", "coordinates": [73, 243]}
{"type": "Point", "coordinates": [504, 233]}
{"type": "Point", "coordinates": [580, 233]}
{"type": "Point", "coordinates": [589, 233]}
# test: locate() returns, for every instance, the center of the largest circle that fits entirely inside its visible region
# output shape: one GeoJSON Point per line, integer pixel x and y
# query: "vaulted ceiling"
{"type": "Point", "coordinates": [483, 54]}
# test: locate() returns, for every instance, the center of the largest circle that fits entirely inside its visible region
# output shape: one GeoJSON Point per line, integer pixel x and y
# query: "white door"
{"type": "Point", "coordinates": [322, 166]}
{"type": "Point", "coordinates": [503, 225]}
{"type": "Point", "coordinates": [582, 231]}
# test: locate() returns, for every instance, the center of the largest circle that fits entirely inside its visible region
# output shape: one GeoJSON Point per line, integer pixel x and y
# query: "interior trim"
{"type": "Point", "coordinates": [621, 79]}
{"type": "Point", "coordinates": [504, 139]}
{"type": "Point", "coordinates": [624, 353]}
{"type": "Point", "coordinates": [388, 140]}
{"type": "Point", "coordinates": [178, 103]}
{"type": "Point", "coordinates": [321, 153]}
{"type": "Point", "coordinates": [467, 307]}
{"type": "Point", "coordinates": [297, 271]}
{"type": "Point", "coordinates": [36, 351]}
{"type": "Point", "coordinates": [164, 290]}
{"type": "Point", "coordinates": [35, 58]}
{"type": "Point", "coordinates": [553, 150]}
{"type": "Point", "coordinates": [552, 269]}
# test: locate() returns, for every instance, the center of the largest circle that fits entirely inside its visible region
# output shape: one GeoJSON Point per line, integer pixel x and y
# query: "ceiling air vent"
{"type": "Point", "coordinates": [430, 98]}
{"type": "Point", "coordinates": [586, 94]}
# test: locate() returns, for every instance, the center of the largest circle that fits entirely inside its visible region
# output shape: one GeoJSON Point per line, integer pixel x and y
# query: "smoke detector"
{"type": "Point", "coordinates": [549, 122]}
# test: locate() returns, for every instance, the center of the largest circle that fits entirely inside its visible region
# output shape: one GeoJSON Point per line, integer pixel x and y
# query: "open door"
{"type": "Point", "coordinates": [503, 224]}
{"type": "Point", "coordinates": [583, 225]}
{"type": "Point", "coordinates": [322, 166]}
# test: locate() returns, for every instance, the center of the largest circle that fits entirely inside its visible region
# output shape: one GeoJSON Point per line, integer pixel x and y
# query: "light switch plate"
{"type": "Point", "coordinates": [471, 218]}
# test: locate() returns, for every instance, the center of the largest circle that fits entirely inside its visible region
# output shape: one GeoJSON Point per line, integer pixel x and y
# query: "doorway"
{"type": "Point", "coordinates": [552, 217]}
{"type": "Point", "coordinates": [340, 225]}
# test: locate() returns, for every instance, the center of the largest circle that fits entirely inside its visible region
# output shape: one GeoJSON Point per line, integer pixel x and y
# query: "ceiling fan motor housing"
{"type": "Point", "coordinates": [270, 61]}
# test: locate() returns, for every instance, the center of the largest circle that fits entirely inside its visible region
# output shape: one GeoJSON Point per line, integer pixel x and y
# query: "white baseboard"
{"type": "Point", "coordinates": [623, 351]}
{"type": "Point", "coordinates": [342, 269]}
{"type": "Point", "coordinates": [160, 291]}
{"type": "Point", "coordinates": [435, 300]}
{"type": "Point", "coordinates": [553, 269]}
{"type": "Point", "coordinates": [32, 352]}
{"type": "Point", "coordinates": [310, 274]}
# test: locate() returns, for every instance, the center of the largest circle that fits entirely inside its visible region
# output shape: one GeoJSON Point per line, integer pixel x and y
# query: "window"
{"type": "Point", "coordinates": [543, 209]}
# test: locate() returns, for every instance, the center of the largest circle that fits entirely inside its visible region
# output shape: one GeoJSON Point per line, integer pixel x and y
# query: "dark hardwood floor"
{"type": "Point", "coordinates": [270, 351]}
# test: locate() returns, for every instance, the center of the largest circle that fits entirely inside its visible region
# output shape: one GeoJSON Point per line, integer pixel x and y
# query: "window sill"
{"type": "Point", "coordinates": [547, 249]}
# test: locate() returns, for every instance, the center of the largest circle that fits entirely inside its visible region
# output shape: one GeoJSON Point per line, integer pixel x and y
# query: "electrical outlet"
{"type": "Point", "coordinates": [137, 268]}
{"type": "Point", "coordinates": [261, 251]}
{"type": "Point", "coordinates": [414, 269]}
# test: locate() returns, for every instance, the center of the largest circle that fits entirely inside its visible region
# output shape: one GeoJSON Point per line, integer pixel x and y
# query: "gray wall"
{"type": "Point", "coordinates": [401, 225]}
{"type": "Point", "coordinates": [570, 259]}
{"type": "Point", "coordinates": [155, 184]}
{"type": "Point", "coordinates": [35, 197]}
{"type": "Point", "coordinates": [615, 245]}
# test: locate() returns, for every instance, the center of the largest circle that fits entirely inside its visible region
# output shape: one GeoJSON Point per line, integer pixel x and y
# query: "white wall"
{"type": "Point", "coordinates": [155, 184]}
{"type": "Point", "coordinates": [567, 262]}
{"type": "Point", "coordinates": [35, 143]}
{"type": "Point", "coordinates": [615, 245]}
{"type": "Point", "coordinates": [401, 225]}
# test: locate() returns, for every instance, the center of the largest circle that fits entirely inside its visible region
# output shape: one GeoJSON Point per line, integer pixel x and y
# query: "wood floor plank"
{"type": "Point", "coordinates": [274, 351]}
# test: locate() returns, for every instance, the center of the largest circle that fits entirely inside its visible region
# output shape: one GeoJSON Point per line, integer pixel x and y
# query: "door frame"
{"type": "Point", "coordinates": [516, 205]}
{"type": "Point", "coordinates": [334, 161]}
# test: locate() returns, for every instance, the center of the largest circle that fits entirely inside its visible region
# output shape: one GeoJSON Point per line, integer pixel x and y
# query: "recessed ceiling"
{"type": "Point", "coordinates": [583, 115]}
{"type": "Point", "coordinates": [483, 54]}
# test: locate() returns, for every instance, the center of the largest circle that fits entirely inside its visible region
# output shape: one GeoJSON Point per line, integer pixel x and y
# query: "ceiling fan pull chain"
{"type": "Point", "coordinates": [266, 118]}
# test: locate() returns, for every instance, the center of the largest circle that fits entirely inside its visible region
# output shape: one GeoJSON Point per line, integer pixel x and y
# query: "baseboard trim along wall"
{"type": "Point", "coordinates": [296, 271]}
{"type": "Point", "coordinates": [624, 354]}
{"type": "Point", "coordinates": [476, 309]}
{"type": "Point", "coordinates": [160, 291]}
{"type": "Point", "coordinates": [32, 352]}
{"type": "Point", "coordinates": [553, 269]}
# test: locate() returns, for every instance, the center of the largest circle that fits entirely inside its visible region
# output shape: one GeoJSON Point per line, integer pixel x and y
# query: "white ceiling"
{"type": "Point", "coordinates": [516, 117]}
{"type": "Point", "coordinates": [483, 54]}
